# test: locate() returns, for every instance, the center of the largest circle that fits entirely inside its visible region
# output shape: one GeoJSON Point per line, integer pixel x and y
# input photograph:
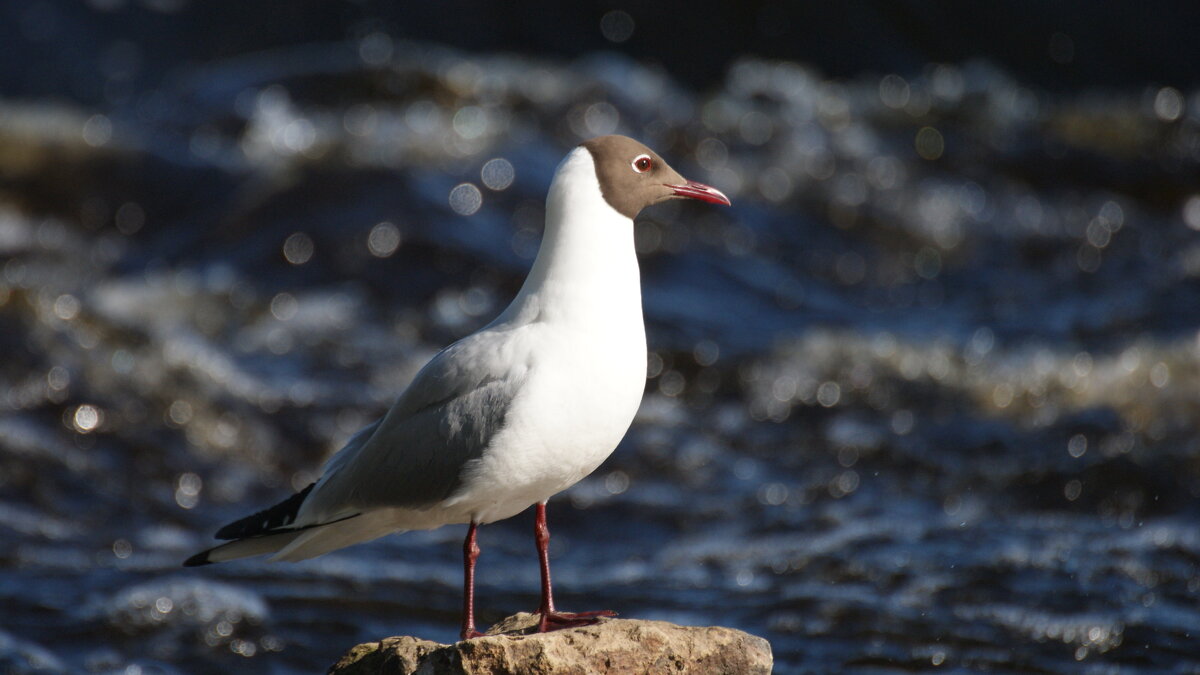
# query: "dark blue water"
{"type": "Point", "coordinates": [925, 398]}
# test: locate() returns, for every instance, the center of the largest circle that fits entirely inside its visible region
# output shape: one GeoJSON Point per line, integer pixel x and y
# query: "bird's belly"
{"type": "Point", "coordinates": [566, 423]}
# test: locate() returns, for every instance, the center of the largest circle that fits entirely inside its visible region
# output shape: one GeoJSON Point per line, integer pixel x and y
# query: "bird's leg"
{"type": "Point", "coordinates": [541, 535]}
{"type": "Point", "coordinates": [470, 555]}
{"type": "Point", "coordinates": [549, 618]}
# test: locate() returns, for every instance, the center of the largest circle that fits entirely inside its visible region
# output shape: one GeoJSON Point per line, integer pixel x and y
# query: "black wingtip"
{"type": "Point", "coordinates": [279, 516]}
{"type": "Point", "coordinates": [198, 560]}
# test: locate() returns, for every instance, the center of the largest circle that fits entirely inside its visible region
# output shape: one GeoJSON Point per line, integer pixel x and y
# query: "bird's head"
{"type": "Point", "coordinates": [632, 176]}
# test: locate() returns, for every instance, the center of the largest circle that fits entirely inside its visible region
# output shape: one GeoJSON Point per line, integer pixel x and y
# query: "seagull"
{"type": "Point", "coordinates": [512, 414]}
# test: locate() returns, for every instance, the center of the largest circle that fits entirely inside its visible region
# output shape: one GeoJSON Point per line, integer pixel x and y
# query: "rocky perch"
{"type": "Point", "coordinates": [609, 646]}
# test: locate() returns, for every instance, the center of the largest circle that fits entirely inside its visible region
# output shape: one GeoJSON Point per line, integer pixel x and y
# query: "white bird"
{"type": "Point", "coordinates": [512, 414]}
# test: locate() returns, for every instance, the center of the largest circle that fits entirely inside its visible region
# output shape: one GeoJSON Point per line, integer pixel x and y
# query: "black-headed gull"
{"type": "Point", "coordinates": [514, 413]}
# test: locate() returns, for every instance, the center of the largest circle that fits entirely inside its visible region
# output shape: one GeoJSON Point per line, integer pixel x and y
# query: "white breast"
{"type": "Point", "coordinates": [578, 319]}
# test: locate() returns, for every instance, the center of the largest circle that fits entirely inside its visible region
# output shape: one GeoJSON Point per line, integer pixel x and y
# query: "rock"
{"type": "Point", "coordinates": [609, 646]}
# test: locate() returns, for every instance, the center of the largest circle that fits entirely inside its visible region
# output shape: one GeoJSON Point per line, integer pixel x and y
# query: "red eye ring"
{"type": "Point", "coordinates": [642, 163]}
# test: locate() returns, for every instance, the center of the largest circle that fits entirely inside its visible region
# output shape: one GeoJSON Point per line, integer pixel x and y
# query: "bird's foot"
{"type": "Point", "coordinates": [469, 633]}
{"type": "Point", "coordinates": [549, 621]}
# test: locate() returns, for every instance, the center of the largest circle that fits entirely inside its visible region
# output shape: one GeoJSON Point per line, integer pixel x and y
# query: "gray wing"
{"type": "Point", "coordinates": [414, 456]}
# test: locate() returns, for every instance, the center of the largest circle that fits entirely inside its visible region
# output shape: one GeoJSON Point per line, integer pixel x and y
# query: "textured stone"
{"type": "Point", "coordinates": [609, 646]}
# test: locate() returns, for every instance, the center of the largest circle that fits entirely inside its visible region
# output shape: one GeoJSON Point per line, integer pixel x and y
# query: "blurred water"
{"type": "Point", "coordinates": [926, 396]}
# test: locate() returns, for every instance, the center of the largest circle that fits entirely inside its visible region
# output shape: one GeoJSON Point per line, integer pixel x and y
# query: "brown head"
{"type": "Point", "coordinates": [633, 176]}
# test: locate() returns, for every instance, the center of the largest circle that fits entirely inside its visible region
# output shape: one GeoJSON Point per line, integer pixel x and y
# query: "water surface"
{"type": "Point", "coordinates": [926, 396]}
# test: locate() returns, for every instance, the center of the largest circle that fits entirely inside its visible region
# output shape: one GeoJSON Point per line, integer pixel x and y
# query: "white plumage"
{"type": "Point", "coordinates": [531, 403]}
{"type": "Point", "coordinates": [514, 413]}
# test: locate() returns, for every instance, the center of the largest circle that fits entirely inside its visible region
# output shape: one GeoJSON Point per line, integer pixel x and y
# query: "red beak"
{"type": "Point", "coordinates": [704, 193]}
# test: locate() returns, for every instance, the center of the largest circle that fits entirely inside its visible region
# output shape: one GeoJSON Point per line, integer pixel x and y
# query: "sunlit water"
{"type": "Point", "coordinates": [925, 397]}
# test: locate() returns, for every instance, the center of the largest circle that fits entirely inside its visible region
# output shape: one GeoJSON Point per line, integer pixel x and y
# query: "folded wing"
{"type": "Point", "coordinates": [412, 458]}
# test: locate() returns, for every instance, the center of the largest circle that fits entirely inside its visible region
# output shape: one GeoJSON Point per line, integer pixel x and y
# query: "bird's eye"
{"type": "Point", "coordinates": [642, 163]}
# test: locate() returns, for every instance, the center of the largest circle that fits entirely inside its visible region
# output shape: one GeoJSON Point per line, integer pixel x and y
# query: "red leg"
{"type": "Point", "coordinates": [470, 555]}
{"type": "Point", "coordinates": [551, 619]}
{"type": "Point", "coordinates": [541, 535]}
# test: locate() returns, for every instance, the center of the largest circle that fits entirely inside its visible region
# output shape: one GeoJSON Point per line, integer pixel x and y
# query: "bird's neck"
{"type": "Point", "coordinates": [586, 268]}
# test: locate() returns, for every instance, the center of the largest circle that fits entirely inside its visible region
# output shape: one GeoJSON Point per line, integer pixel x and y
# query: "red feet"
{"type": "Point", "coordinates": [549, 621]}
{"type": "Point", "coordinates": [548, 618]}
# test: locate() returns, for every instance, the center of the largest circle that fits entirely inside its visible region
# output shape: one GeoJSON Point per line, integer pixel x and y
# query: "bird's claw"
{"type": "Point", "coordinates": [550, 621]}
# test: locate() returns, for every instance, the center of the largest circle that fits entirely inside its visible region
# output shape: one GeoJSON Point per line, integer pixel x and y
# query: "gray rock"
{"type": "Point", "coordinates": [609, 646]}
